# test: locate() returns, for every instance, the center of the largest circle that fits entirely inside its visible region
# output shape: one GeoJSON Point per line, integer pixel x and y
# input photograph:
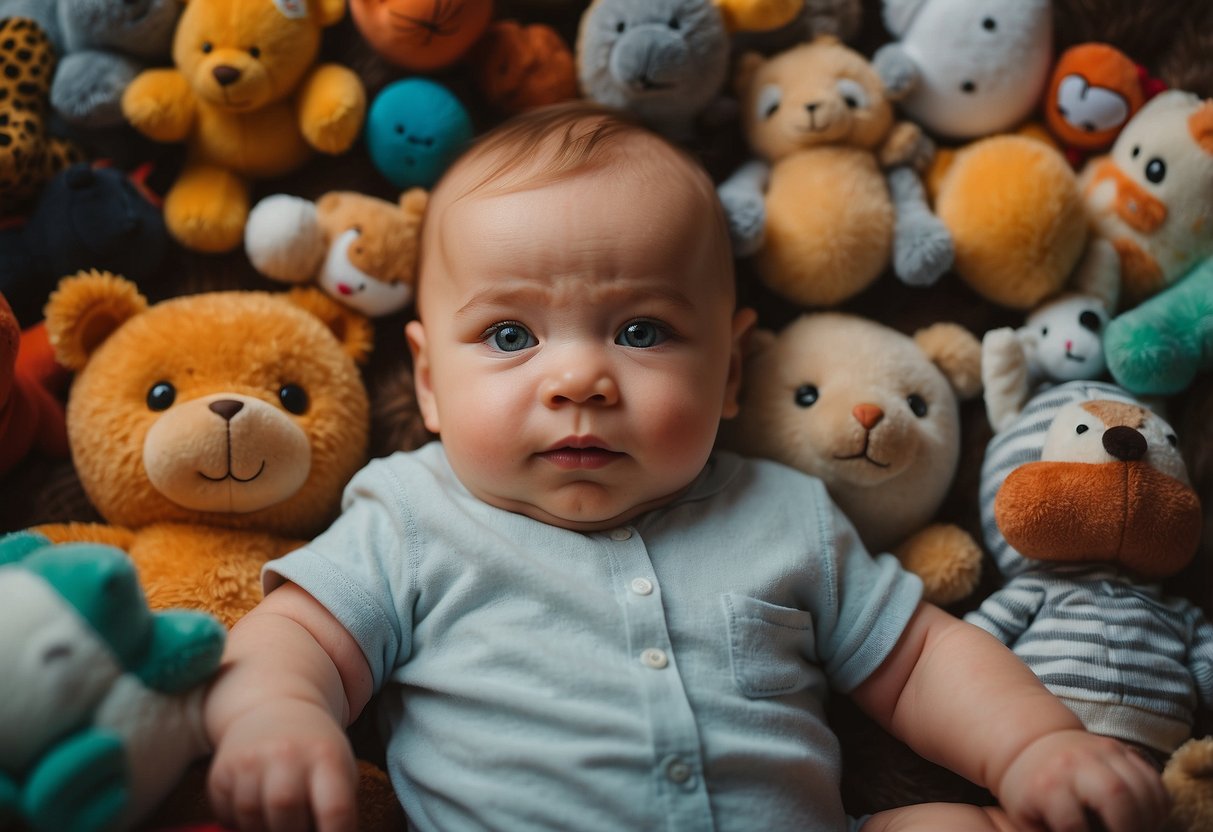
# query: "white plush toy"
{"type": "Point", "coordinates": [1061, 341]}
{"type": "Point", "coordinates": [969, 68]}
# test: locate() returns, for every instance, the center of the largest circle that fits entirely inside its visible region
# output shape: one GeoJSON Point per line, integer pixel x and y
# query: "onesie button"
{"type": "Point", "coordinates": [654, 658]}
{"type": "Point", "coordinates": [641, 586]}
{"type": "Point", "coordinates": [678, 771]}
{"type": "Point", "coordinates": [620, 534]}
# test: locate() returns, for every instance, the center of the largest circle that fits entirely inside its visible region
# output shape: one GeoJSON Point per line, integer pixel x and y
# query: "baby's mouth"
{"type": "Point", "coordinates": [580, 452]}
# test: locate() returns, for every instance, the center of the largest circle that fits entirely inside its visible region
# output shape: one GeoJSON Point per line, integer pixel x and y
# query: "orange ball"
{"type": "Point", "coordinates": [421, 35]}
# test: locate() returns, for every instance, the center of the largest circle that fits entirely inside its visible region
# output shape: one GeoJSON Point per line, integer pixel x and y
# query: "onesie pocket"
{"type": "Point", "coordinates": [769, 646]}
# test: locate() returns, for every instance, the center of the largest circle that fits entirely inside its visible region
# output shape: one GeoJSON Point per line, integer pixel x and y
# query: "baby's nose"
{"type": "Point", "coordinates": [581, 384]}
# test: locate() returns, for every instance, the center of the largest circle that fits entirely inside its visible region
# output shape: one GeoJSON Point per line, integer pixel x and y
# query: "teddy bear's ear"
{"type": "Point", "coordinates": [329, 12]}
{"type": "Point", "coordinates": [1200, 125]}
{"type": "Point", "coordinates": [414, 201]}
{"type": "Point", "coordinates": [956, 352]}
{"type": "Point", "coordinates": [85, 310]}
{"type": "Point", "coordinates": [354, 331]}
{"type": "Point", "coordinates": [747, 66]}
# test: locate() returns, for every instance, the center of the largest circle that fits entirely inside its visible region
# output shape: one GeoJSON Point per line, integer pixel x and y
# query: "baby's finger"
{"type": "Point", "coordinates": [1115, 794]}
{"type": "Point", "coordinates": [1054, 809]}
{"type": "Point", "coordinates": [219, 793]}
{"type": "Point", "coordinates": [246, 800]}
{"type": "Point", "coordinates": [333, 789]}
{"type": "Point", "coordinates": [285, 798]}
{"type": "Point", "coordinates": [1145, 791]}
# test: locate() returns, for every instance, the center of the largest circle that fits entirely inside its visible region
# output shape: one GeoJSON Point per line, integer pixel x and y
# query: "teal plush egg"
{"type": "Point", "coordinates": [414, 129]}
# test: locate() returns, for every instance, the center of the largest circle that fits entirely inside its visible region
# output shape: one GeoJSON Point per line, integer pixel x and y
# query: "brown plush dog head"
{"type": "Point", "coordinates": [236, 409]}
{"type": "Point", "coordinates": [1110, 487]}
{"type": "Point", "coordinates": [814, 94]}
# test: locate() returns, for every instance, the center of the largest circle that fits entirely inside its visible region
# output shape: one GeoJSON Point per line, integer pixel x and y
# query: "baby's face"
{"type": "Point", "coordinates": [577, 345]}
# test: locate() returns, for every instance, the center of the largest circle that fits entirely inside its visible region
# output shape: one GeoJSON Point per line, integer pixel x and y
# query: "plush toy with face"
{"type": "Point", "coordinates": [517, 67]}
{"type": "Point", "coordinates": [875, 415]}
{"type": "Point", "coordinates": [359, 249]}
{"type": "Point", "coordinates": [1087, 506]}
{"type": "Point", "coordinates": [414, 129]}
{"type": "Point", "coordinates": [1062, 340]}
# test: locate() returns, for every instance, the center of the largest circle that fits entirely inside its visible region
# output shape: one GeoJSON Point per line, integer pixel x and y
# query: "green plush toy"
{"type": "Point", "coordinates": [1157, 348]}
{"type": "Point", "coordinates": [101, 699]}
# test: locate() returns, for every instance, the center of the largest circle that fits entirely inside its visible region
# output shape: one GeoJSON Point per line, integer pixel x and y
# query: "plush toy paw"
{"type": "Point", "coordinates": [897, 70]}
{"type": "Point", "coordinates": [922, 247]}
{"type": "Point", "coordinates": [332, 105]}
{"type": "Point", "coordinates": [206, 209]}
{"type": "Point", "coordinates": [1188, 778]}
{"type": "Point", "coordinates": [81, 785]}
{"type": "Point", "coordinates": [745, 210]}
{"type": "Point", "coordinates": [159, 103]}
{"type": "Point", "coordinates": [947, 559]}
{"type": "Point", "coordinates": [88, 87]}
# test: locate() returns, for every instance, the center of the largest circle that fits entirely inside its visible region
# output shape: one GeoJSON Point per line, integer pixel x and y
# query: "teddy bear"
{"type": "Point", "coordinates": [421, 35]}
{"type": "Point", "coordinates": [360, 249]}
{"type": "Point", "coordinates": [102, 705]}
{"type": "Point", "coordinates": [1087, 507]}
{"type": "Point", "coordinates": [29, 153]}
{"type": "Point", "coordinates": [106, 43]}
{"type": "Point", "coordinates": [970, 71]}
{"type": "Point", "coordinates": [31, 415]}
{"type": "Point", "coordinates": [1061, 340]}
{"type": "Point", "coordinates": [249, 100]}
{"type": "Point", "coordinates": [874, 414]}
{"type": "Point", "coordinates": [837, 194]}
{"type": "Point", "coordinates": [665, 61]}
{"type": "Point", "coordinates": [211, 431]}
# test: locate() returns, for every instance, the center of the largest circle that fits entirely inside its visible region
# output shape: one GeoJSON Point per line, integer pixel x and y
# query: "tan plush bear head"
{"type": "Point", "coordinates": [241, 55]}
{"type": "Point", "coordinates": [243, 410]}
{"type": "Point", "coordinates": [870, 411]}
{"type": "Point", "coordinates": [814, 94]}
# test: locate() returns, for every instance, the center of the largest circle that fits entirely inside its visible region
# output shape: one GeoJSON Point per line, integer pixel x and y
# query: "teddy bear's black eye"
{"type": "Point", "coordinates": [1173, 439]}
{"type": "Point", "coordinates": [1089, 320]}
{"type": "Point", "coordinates": [918, 405]}
{"type": "Point", "coordinates": [207, 47]}
{"type": "Point", "coordinates": [293, 398]}
{"type": "Point", "coordinates": [1081, 429]}
{"type": "Point", "coordinates": [161, 396]}
{"type": "Point", "coordinates": [621, 27]}
{"type": "Point", "coordinates": [254, 51]}
{"type": "Point", "coordinates": [806, 395]}
{"type": "Point", "coordinates": [1156, 170]}
{"type": "Point", "coordinates": [674, 24]}
{"type": "Point", "coordinates": [989, 24]}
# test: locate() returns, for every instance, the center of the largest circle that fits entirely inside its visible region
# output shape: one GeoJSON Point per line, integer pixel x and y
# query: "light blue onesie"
{"type": "Point", "coordinates": [669, 674]}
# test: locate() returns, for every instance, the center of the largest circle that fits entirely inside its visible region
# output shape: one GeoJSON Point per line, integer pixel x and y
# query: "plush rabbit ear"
{"type": "Point", "coordinates": [899, 14]}
{"type": "Point", "coordinates": [956, 352]}
{"type": "Point", "coordinates": [352, 330]}
{"type": "Point", "coordinates": [85, 310]}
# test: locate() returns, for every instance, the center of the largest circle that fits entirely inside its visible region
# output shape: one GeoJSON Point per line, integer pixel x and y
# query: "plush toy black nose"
{"type": "Point", "coordinates": [227, 408]}
{"type": "Point", "coordinates": [1126, 444]}
{"type": "Point", "coordinates": [225, 74]}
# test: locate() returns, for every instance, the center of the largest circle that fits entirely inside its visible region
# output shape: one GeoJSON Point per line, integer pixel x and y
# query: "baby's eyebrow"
{"type": "Point", "coordinates": [592, 293]}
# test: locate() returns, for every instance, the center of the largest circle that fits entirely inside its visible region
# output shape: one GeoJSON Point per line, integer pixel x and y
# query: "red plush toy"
{"type": "Point", "coordinates": [31, 418]}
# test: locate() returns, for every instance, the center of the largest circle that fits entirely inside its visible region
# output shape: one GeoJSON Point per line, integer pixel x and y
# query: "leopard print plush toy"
{"type": "Point", "coordinates": [28, 154]}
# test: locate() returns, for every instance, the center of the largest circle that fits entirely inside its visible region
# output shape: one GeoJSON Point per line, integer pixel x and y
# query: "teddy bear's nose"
{"type": "Point", "coordinates": [226, 75]}
{"type": "Point", "coordinates": [1124, 443]}
{"type": "Point", "coordinates": [227, 408]}
{"type": "Point", "coordinates": [867, 415]}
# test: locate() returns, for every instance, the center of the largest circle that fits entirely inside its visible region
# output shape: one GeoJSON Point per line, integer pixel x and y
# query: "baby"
{"type": "Point", "coordinates": [579, 616]}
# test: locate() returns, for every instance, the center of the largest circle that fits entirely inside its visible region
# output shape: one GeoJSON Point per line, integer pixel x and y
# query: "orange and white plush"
{"type": "Point", "coordinates": [212, 432]}
{"type": "Point", "coordinates": [1150, 201]}
{"type": "Point", "coordinates": [359, 249]}
{"type": "Point", "coordinates": [875, 415]}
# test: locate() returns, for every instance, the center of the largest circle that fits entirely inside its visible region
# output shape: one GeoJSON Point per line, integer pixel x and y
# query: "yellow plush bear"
{"type": "Point", "coordinates": [250, 102]}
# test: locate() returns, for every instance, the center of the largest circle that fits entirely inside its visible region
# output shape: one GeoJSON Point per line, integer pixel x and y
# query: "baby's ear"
{"type": "Point", "coordinates": [353, 331]}
{"type": "Point", "coordinates": [956, 352]}
{"type": "Point", "coordinates": [85, 310]}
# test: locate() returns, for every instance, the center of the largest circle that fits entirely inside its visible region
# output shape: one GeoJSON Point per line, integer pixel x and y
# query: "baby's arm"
{"type": "Point", "coordinates": [292, 678]}
{"type": "Point", "coordinates": [962, 699]}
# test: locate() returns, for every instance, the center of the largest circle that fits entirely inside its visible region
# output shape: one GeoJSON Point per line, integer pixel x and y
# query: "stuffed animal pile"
{"type": "Point", "coordinates": [960, 222]}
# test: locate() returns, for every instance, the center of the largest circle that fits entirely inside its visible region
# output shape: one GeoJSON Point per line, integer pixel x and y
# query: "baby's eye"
{"type": "Point", "coordinates": [641, 334]}
{"type": "Point", "coordinates": [510, 337]}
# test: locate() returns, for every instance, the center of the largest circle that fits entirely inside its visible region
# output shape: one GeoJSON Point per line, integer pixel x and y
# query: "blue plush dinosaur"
{"type": "Point", "coordinates": [101, 699]}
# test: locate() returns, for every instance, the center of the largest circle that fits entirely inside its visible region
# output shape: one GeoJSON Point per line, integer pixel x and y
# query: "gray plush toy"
{"type": "Point", "coordinates": [104, 45]}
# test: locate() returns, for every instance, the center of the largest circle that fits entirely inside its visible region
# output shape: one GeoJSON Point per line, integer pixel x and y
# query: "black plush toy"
{"type": "Point", "coordinates": [85, 218]}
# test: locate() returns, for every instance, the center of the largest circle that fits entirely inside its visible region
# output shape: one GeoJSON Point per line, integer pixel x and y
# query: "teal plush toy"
{"type": "Point", "coordinates": [101, 699]}
{"type": "Point", "coordinates": [414, 129]}
{"type": "Point", "coordinates": [1158, 347]}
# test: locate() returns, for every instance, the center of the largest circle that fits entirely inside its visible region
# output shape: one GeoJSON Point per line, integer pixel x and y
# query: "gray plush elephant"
{"type": "Point", "coordinates": [104, 45]}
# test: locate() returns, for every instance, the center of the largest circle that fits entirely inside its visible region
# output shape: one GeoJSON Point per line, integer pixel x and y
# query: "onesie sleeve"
{"type": "Point", "coordinates": [863, 604]}
{"type": "Point", "coordinates": [361, 569]}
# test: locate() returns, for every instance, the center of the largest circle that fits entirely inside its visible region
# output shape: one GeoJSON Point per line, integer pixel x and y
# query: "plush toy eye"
{"type": "Point", "coordinates": [161, 396]}
{"type": "Point", "coordinates": [1089, 320]}
{"type": "Point", "coordinates": [1173, 439]}
{"type": "Point", "coordinates": [254, 51]}
{"type": "Point", "coordinates": [1081, 429]}
{"type": "Point", "coordinates": [399, 128]}
{"type": "Point", "coordinates": [853, 94]}
{"type": "Point", "coordinates": [1156, 170]}
{"type": "Point", "coordinates": [989, 24]}
{"type": "Point", "coordinates": [806, 395]}
{"type": "Point", "coordinates": [1044, 332]}
{"type": "Point", "coordinates": [621, 27]}
{"type": "Point", "coordinates": [968, 87]}
{"type": "Point", "coordinates": [207, 46]}
{"type": "Point", "coordinates": [769, 99]}
{"type": "Point", "coordinates": [918, 405]}
{"type": "Point", "coordinates": [293, 398]}
{"type": "Point", "coordinates": [56, 652]}
{"type": "Point", "coordinates": [675, 24]}
{"type": "Point", "coordinates": [1135, 152]}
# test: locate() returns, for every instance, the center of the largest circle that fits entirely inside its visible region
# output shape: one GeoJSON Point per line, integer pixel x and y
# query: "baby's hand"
{"type": "Point", "coordinates": [282, 767]}
{"type": "Point", "coordinates": [1066, 778]}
